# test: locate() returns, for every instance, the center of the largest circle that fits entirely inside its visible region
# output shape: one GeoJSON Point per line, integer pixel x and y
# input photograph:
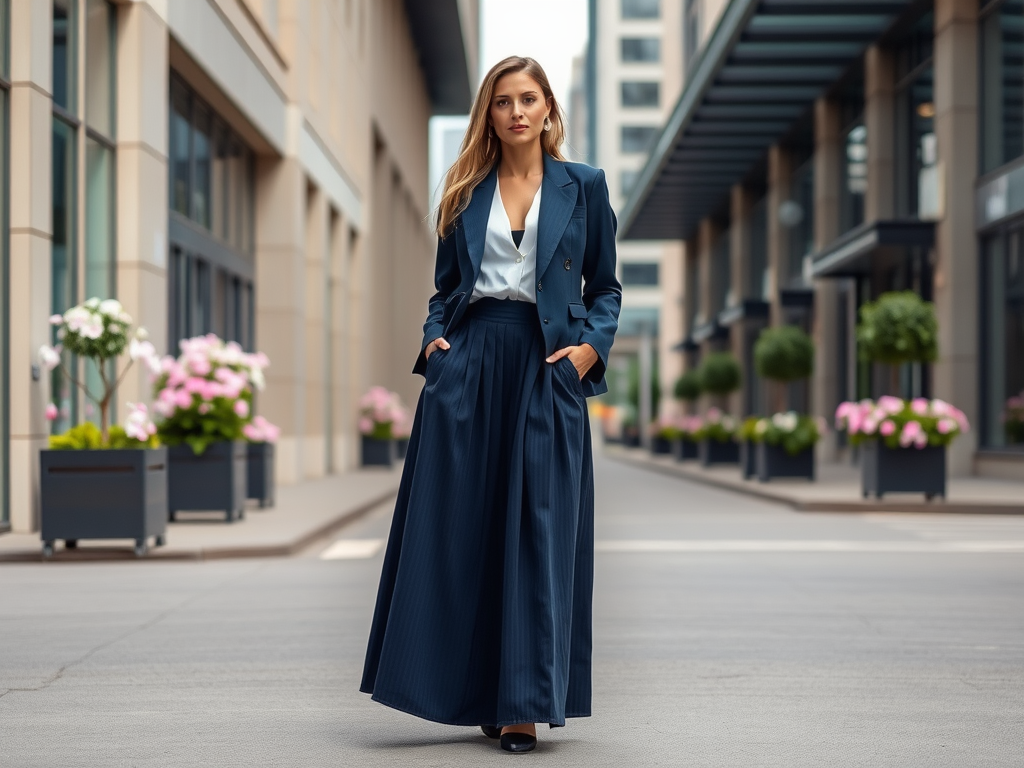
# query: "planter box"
{"type": "Point", "coordinates": [902, 470]}
{"type": "Point", "coordinates": [631, 441]}
{"type": "Point", "coordinates": [773, 461]}
{"type": "Point", "coordinates": [98, 494]}
{"type": "Point", "coordinates": [714, 452]}
{"type": "Point", "coordinates": [402, 448]}
{"type": "Point", "coordinates": [748, 459]}
{"type": "Point", "coordinates": [216, 479]}
{"type": "Point", "coordinates": [377, 453]}
{"type": "Point", "coordinates": [684, 450]}
{"type": "Point", "coordinates": [259, 473]}
{"type": "Point", "coordinates": [661, 446]}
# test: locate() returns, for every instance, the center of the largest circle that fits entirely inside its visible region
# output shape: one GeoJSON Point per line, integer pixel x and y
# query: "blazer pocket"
{"type": "Point", "coordinates": [579, 212]}
{"type": "Point", "coordinates": [577, 310]}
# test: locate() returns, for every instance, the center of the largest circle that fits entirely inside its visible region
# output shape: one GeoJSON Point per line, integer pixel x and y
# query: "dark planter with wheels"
{"type": "Point", "coordinates": [661, 446]}
{"type": "Point", "coordinates": [773, 461]}
{"type": "Point", "coordinates": [215, 479]}
{"type": "Point", "coordinates": [401, 448]}
{"type": "Point", "coordinates": [684, 450]}
{"type": "Point", "coordinates": [748, 459]}
{"type": "Point", "coordinates": [259, 473]}
{"type": "Point", "coordinates": [630, 440]}
{"type": "Point", "coordinates": [714, 452]}
{"type": "Point", "coordinates": [902, 470]}
{"type": "Point", "coordinates": [99, 494]}
{"type": "Point", "coordinates": [378, 453]}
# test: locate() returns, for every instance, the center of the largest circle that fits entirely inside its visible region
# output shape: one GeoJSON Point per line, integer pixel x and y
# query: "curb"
{"type": "Point", "coordinates": [764, 494]}
{"type": "Point", "coordinates": [287, 549]}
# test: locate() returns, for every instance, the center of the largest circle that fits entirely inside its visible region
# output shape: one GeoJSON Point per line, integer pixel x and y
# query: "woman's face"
{"type": "Point", "coordinates": [517, 109]}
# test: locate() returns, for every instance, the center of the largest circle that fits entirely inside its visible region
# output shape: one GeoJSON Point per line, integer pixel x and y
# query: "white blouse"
{"type": "Point", "coordinates": [508, 272]}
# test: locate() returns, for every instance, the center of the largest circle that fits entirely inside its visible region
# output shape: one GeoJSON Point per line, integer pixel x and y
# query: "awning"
{"type": "Point", "coordinates": [855, 252]}
{"type": "Point", "coordinates": [438, 31]}
{"type": "Point", "coordinates": [763, 67]}
{"type": "Point", "coordinates": [746, 309]}
{"type": "Point", "coordinates": [709, 330]}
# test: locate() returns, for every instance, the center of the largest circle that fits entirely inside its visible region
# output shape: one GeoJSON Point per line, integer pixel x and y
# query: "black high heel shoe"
{"type": "Point", "coordinates": [518, 742]}
{"type": "Point", "coordinates": [491, 731]}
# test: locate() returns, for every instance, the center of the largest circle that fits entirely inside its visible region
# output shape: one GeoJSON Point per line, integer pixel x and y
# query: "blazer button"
{"type": "Point", "coordinates": [546, 321]}
{"type": "Point", "coordinates": [568, 263]}
{"type": "Point", "coordinates": [540, 286]}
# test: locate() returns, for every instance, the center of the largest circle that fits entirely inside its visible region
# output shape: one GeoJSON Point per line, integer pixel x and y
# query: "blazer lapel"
{"type": "Point", "coordinates": [474, 219]}
{"type": "Point", "coordinates": [557, 201]}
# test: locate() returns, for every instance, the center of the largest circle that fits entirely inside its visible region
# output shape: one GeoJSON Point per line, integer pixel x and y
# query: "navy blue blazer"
{"type": "Point", "coordinates": [578, 295]}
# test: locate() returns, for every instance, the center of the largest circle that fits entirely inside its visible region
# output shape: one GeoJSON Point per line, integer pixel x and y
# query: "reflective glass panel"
{"type": "Point", "coordinates": [641, 9]}
{"type": "Point", "coordinates": [638, 138]}
{"type": "Point", "coordinates": [64, 53]}
{"type": "Point", "coordinates": [1002, 92]}
{"type": "Point", "coordinates": [202, 140]}
{"type": "Point", "coordinates": [62, 257]}
{"type": "Point", "coordinates": [180, 140]}
{"type": "Point", "coordinates": [99, 66]}
{"type": "Point", "coordinates": [640, 94]}
{"type": "Point", "coordinates": [640, 274]}
{"type": "Point", "coordinates": [637, 49]}
{"type": "Point", "coordinates": [1004, 338]}
{"type": "Point", "coordinates": [757, 274]}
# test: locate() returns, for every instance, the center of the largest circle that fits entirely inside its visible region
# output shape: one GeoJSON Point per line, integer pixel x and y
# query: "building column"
{"type": "Point", "coordinates": [280, 294]}
{"type": "Point", "coordinates": [31, 234]}
{"type": "Point", "coordinates": [317, 284]}
{"type": "Point", "coordinates": [740, 203]}
{"type": "Point", "coordinates": [142, 118]}
{"type": "Point", "coordinates": [779, 174]}
{"type": "Point", "coordinates": [828, 154]}
{"type": "Point", "coordinates": [880, 122]}
{"type": "Point", "coordinates": [956, 242]}
{"type": "Point", "coordinates": [670, 361]}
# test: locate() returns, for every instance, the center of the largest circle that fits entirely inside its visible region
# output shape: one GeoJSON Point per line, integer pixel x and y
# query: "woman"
{"type": "Point", "coordinates": [483, 614]}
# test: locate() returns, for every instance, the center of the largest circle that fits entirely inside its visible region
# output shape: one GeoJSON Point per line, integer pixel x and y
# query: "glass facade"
{"type": "Point", "coordinates": [1001, 49]}
{"type": "Point", "coordinates": [1003, 340]}
{"type": "Point", "coordinates": [641, 94]}
{"type": "Point", "coordinates": [212, 202]}
{"type": "Point", "coordinates": [917, 181]}
{"type": "Point", "coordinates": [641, 49]}
{"type": "Point", "coordinates": [798, 216]}
{"type": "Point", "coordinates": [757, 274]}
{"type": "Point", "coordinates": [640, 274]}
{"type": "Point", "coordinates": [691, 31]}
{"type": "Point", "coordinates": [627, 180]}
{"type": "Point", "coordinates": [721, 274]}
{"type": "Point", "coordinates": [637, 139]}
{"type": "Point", "coordinates": [853, 167]}
{"type": "Point", "coordinates": [641, 9]}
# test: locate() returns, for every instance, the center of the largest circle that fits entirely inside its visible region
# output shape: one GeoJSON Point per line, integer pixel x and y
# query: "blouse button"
{"type": "Point", "coordinates": [519, 259]}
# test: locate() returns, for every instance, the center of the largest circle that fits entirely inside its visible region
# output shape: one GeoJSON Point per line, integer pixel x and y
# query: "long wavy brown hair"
{"type": "Point", "coordinates": [481, 150]}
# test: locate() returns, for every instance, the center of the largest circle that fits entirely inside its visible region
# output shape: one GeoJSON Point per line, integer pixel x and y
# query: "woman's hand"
{"type": "Point", "coordinates": [438, 343]}
{"type": "Point", "coordinates": [582, 357]}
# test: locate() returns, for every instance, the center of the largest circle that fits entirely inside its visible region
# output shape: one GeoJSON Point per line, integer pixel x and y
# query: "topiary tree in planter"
{"type": "Point", "coordinates": [687, 387]}
{"type": "Point", "coordinates": [720, 374]}
{"type": "Point", "coordinates": [781, 355]}
{"type": "Point", "coordinates": [900, 327]}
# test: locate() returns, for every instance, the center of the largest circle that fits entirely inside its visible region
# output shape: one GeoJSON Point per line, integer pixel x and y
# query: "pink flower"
{"type": "Point", "coordinates": [919, 406]}
{"type": "Point", "coordinates": [241, 408]}
{"type": "Point", "coordinates": [365, 425]}
{"type": "Point", "coordinates": [888, 427]}
{"type": "Point", "coordinates": [910, 433]}
{"type": "Point", "coordinates": [182, 399]}
{"type": "Point", "coordinates": [56, 320]}
{"type": "Point", "coordinates": [51, 412]}
{"type": "Point", "coordinates": [891, 405]}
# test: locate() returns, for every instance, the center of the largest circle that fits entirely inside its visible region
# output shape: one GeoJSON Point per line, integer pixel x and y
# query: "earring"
{"type": "Point", "coordinates": [547, 123]}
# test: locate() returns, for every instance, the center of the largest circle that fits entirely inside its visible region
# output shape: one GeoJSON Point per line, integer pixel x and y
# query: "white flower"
{"type": "Point", "coordinates": [49, 357]}
{"type": "Point", "coordinates": [56, 320]}
{"type": "Point", "coordinates": [141, 333]}
{"type": "Point", "coordinates": [92, 303]}
{"type": "Point", "coordinates": [138, 424]}
{"type": "Point", "coordinates": [111, 308]}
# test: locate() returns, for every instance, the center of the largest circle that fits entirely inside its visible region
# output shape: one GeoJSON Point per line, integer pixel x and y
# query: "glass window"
{"type": "Point", "coordinates": [757, 273]}
{"type": "Point", "coordinates": [721, 273]}
{"type": "Point", "coordinates": [638, 138]}
{"type": "Point", "coordinates": [201, 147]}
{"type": "Point", "coordinates": [1003, 332]}
{"type": "Point", "coordinates": [100, 236]}
{"type": "Point", "coordinates": [797, 215]}
{"type": "Point", "coordinates": [641, 49]}
{"type": "Point", "coordinates": [63, 259]}
{"type": "Point", "coordinates": [180, 143]}
{"type": "Point", "coordinates": [1002, 84]}
{"type": "Point", "coordinates": [219, 220]}
{"type": "Point", "coordinates": [641, 9]}
{"type": "Point", "coordinates": [627, 180]}
{"type": "Point", "coordinates": [691, 30]}
{"type": "Point", "coordinates": [100, 28]}
{"type": "Point", "coordinates": [640, 94]}
{"type": "Point", "coordinates": [693, 291]}
{"type": "Point", "coordinates": [65, 53]}
{"type": "Point", "coordinates": [632, 320]}
{"type": "Point", "coordinates": [854, 176]}
{"type": "Point", "coordinates": [640, 274]}
{"type": "Point", "coordinates": [917, 188]}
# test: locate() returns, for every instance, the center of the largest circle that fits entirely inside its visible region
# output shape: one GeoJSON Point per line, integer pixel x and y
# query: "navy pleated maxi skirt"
{"type": "Point", "coordinates": [483, 613]}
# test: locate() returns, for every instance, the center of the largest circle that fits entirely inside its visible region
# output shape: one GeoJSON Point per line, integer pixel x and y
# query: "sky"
{"type": "Point", "coordinates": [550, 31]}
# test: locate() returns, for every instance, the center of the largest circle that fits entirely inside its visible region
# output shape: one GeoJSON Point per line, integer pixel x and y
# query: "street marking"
{"type": "Point", "coordinates": [352, 549]}
{"type": "Point", "coordinates": [804, 545]}
{"type": "Point", "coordinates": [956, 528]}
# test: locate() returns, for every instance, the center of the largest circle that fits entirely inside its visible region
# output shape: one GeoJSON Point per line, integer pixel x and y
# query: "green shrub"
{"type": "Point", "coordinates": [784, 353]}
{"type": "Point", "coordinates": [791, 431]}
{"type": "Point", "coordinates": [87, 436]}
{"type": "Point", "coordinates": [900, 327]}
{"type": "Point", "coordinates": [687, 387]}
{"type": "Point", "coordinates": [720, 373]}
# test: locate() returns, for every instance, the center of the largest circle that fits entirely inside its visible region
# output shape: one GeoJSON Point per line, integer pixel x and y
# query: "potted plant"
{"type": "Point", "coordinates": [903, 443]}
{"type": "Point", "coordinates": [1013, 419]}
{"type": "Point", "coordinates": [900, 327]}
{"type": "Point", "coordinates": [686, 447]}
{"type": "Point", "coordinates": [746, 436]}
{"type": "Point", "coordinates": [785, 441]}
{"type": "Point", "coordinates": [664, 432]}
{"type": "Point", "coordinates": [379, 408]}
{"type": "Point", "coordinates": [402, 429]}
{"type": "Point", "coordinates": [717, 437]}
{"type": "Point", "coordinates": [102, 482]}
{"type": "Point", "coordinates": [259, 460]}
{"type": "Point", "coordinates": [785, 445]}
{"type": "Point", "coordinates": [205, 399]}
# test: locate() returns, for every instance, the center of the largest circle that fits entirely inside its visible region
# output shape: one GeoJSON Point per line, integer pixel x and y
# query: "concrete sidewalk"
{"type": "Point", "coordinates": [304, 513]}
{"type": "Point", "coordinates": [837, 488]}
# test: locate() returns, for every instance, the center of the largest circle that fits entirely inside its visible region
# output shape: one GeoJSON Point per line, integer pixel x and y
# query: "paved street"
{"type": "Point", "coordinates": [729, 632]}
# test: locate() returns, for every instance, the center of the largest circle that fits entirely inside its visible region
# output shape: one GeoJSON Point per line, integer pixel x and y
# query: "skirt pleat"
{"type": "Point", "coordinates": [483, 613]}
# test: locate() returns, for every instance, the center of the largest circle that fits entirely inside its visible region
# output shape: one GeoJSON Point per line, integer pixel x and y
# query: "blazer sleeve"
{"type": "Point", "coordinates": [602, 293]}
{"type": "Point", "coordinates": [446, 280]}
